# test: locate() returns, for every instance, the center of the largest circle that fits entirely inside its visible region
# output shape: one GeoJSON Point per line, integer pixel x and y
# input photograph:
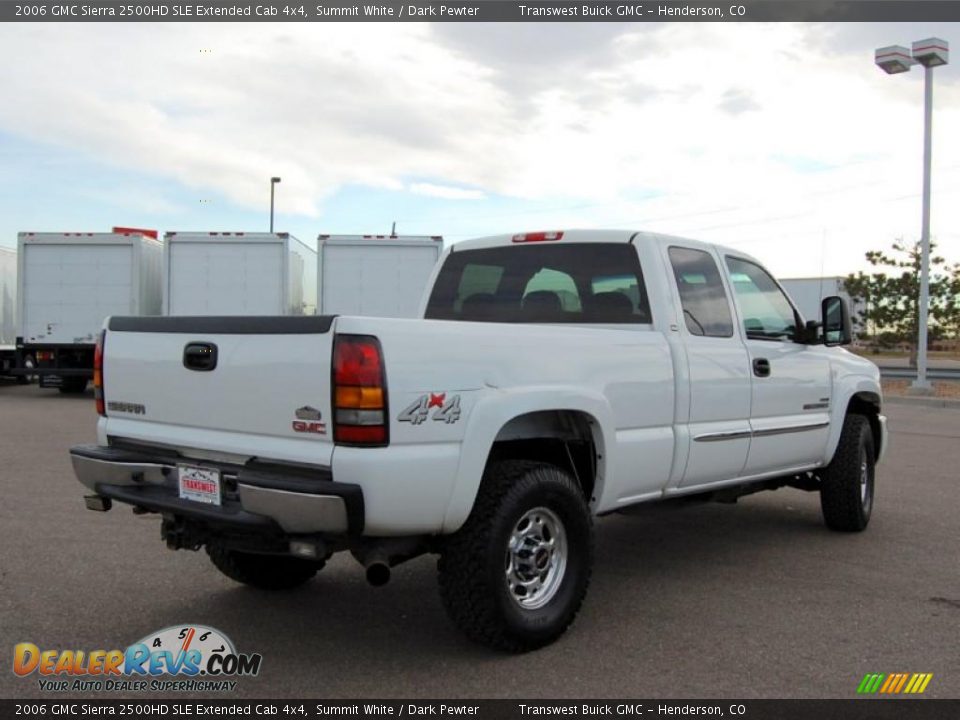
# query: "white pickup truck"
{"type": "Point", "coordinates": [554, 377]}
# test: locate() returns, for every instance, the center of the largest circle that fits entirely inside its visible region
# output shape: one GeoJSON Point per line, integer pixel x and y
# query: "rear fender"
{"type": "Point", "coordinates": [491, 415]}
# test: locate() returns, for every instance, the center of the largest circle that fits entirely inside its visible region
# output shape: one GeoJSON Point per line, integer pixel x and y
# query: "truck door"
{"type": "Point", "coordinates": [791, 389]}
{"type": "Point", "coordinates": [719, 420]}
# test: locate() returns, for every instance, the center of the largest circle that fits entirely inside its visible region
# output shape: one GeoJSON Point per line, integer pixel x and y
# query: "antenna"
{"type": "Point", "coordinates": [823, 260]}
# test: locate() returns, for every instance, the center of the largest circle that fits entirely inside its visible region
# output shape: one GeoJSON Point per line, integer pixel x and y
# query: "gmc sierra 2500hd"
{"type": "Point", "coordinates": [555, 377]}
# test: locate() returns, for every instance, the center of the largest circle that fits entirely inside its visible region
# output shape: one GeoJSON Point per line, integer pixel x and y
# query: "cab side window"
{"type": "Point", "coordinates": [706, 310]}
{"type": "Point", "coordinates": [767, 313]}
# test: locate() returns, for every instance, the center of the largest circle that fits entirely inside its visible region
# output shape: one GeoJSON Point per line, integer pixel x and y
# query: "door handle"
{"type": "Point", "coordinates": [761, 367]}
{"type": "Point", "coordinates": [200, 356]}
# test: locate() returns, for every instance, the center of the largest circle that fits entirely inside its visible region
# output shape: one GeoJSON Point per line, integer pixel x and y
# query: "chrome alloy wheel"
{"type": "Point", "coordinates": [536, 558]}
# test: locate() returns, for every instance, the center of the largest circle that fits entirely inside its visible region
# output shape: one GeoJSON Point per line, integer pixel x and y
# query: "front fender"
{"type": "Point", "coordinates": [498, 407]}
{"type": "Point", "coordinates": [850, 386]}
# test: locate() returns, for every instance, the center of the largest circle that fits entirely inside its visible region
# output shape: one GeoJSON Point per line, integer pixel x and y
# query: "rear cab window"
{"type": "Point", "coordinates": [577, 283]}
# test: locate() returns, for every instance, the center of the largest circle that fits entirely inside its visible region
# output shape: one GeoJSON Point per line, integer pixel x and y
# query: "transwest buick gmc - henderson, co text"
{"type": "Point", "coordinates": [554, 377]}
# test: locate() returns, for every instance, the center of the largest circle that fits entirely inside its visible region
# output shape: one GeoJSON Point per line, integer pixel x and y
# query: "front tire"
{"type": "Point", "coordinates": [515, 575]}
{"type": "Point", "coordinates": [847, 483]}
{"type": "Point", "coordinates": [266, 572]}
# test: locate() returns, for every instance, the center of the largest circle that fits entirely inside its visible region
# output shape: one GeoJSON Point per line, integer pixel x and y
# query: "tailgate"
{"type": "Point", "coordinates": [249, 380]}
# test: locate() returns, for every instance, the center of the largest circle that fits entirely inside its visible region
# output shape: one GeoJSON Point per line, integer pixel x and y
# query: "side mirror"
{"type": "Point", "coordinates": [835, 314]}
{"type": "Point", "coordinates": [809, 334]}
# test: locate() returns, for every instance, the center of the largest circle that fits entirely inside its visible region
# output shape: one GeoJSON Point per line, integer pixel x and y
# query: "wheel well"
{"type": "Point", "coordinates": [564, 438]}
{"type": "Point", "coordinates": [868, 405]}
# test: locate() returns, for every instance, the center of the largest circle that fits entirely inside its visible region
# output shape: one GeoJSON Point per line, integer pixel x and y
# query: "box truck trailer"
{"type": "Point", "coordinates": [809, 292]}
{"type": "Point", "coordinates": [375, 275]}
{"type": "Point", "coordinates": [8, 310]}
{"type": "Point", "coordinates": [238, 273]}
{"type": "Point", "coordinates": [69, 283]}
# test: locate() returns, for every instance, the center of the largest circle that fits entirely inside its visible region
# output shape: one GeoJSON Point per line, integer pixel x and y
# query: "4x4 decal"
{"type": "Point", "coordinates": [448, 410]}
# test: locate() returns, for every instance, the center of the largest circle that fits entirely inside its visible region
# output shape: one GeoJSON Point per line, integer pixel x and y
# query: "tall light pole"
{"type": "Point", "coordinates": [273, 183]}
{"type": "Point", "coordinates": [895, 59]}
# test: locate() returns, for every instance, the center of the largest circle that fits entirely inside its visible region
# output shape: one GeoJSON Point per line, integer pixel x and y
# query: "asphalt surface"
{"type": "Point", "coordinates": [756, 599]}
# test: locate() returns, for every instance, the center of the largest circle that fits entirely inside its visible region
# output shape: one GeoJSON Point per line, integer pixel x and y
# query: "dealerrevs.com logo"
{"type": "Point", "coordinates": [186, 658]}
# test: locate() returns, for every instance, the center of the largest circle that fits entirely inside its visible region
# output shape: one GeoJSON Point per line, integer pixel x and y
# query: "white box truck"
{"type": "Point", "coordinates": [238, 273]}
{"type": "Point", "coordinates": [8, 304]}
{"type": "Point", "coordinates": [375, 275]}
{"type": "Point", "coordinates": [69, 284]}
{"type": "Point", "coordinates": [809, 292]}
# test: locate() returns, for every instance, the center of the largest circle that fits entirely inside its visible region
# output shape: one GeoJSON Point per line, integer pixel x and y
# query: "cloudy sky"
{"type": "Point", "coordinates": [784, 140]}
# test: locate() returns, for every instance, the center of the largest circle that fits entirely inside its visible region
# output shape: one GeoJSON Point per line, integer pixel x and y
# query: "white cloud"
{"type": "Point", "coordinates": [445, 192]}
{"type": "Point", "coordinates": [783, 139]}
{"type": "Point", "coordinates": [319, 106]}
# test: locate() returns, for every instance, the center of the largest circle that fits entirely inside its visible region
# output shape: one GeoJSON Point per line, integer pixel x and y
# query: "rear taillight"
{"type": "Point", "coordinates": [359, 391]}
{"type": "Point", "coordinates": [98, 373]}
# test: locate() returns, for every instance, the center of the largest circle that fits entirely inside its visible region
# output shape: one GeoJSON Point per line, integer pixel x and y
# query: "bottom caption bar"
{"type": "Point", "coordinates": [872, 709]}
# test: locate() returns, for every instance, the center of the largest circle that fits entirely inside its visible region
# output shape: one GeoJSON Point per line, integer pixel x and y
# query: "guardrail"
{"type": "Point", "coordinates": [932, 373]}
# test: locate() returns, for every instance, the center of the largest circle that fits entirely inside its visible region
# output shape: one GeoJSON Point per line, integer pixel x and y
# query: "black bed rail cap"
{"type": "Point", "coordinates": [225, 324]}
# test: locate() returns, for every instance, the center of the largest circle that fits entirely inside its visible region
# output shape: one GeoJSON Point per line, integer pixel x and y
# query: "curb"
{"type": "Point", "coordinates": [947, 403]}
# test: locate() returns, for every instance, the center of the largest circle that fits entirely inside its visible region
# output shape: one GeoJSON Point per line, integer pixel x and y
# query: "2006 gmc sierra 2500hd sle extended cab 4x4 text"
{"type": "Point", "coordinates": [554, 377]}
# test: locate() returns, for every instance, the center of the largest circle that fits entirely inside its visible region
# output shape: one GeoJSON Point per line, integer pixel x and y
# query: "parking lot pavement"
{"type": "Point", "coordinates": [755, 599]}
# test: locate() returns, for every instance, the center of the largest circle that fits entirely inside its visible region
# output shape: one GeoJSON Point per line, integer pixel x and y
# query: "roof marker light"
{"type": "Point", "coordinates": [538, 236]}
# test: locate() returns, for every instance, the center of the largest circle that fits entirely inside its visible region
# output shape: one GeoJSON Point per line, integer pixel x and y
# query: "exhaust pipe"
{"type": "Point", "coordinates": [378, 556]}
{"type": "Point", "coordinates": [97, 503]}
{"type": "Point", "coordinates": [378, 573]}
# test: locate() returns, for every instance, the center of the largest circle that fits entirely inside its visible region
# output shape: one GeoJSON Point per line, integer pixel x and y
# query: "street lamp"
{"type": "Point", "coordinates": [895, 59]}
{"type": "Point", "coordinates": [273, 182]}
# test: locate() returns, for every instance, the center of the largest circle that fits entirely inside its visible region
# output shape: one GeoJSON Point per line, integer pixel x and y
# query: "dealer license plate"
{"type": "Point", "coordinates": [199, 484]}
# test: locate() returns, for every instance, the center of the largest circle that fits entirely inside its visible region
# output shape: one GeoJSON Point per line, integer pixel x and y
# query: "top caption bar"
{"type": "Point", "coordinates": [484, 11]}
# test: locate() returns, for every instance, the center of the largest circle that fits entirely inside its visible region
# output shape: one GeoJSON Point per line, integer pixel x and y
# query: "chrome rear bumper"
{"type": "Point", "coordinates": [297, 500]}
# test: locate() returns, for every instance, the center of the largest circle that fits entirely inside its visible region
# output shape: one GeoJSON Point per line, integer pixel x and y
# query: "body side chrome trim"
{"type": "Point", "coordinates": [740, 434]}
{"type": "Point", "coordinates": [724, 435]}
{"type": "Point", "coordinates": [786, 430]}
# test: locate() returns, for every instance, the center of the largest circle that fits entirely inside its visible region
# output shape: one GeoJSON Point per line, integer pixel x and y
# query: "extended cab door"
{"type": "Point", "coordinates": [718, 428]}
{"type": "Point", "coordinates": [791, 389]}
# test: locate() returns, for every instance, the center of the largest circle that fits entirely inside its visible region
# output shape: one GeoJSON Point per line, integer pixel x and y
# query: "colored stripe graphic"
{"type": "Point", "coordinates": [870, 683]}
{"type": "Point", "coordinates": [894, 684]}
{"type": "Point", "coordinates": [897, 677]}
{"type": "Point", "coordinates": [919, 684]}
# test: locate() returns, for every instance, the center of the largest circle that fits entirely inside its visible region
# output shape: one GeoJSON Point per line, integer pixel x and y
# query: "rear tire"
{"type": "Point", "coordinates": [515, 575]}
{"type": "Point", "coordinates": [847, 483]}
{"type": "Point", "coordinates": [28, 364]}
{"type": "Point", "coordinates": [266, 572]}
{"type": "Point", "coordinates": [73, 386]}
